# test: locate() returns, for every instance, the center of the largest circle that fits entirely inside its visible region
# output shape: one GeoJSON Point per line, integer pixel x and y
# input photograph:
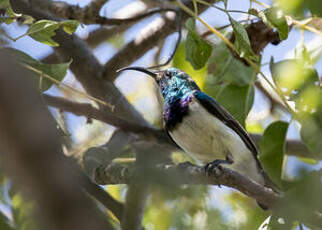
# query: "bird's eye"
{"type": "Point", "coordinates": [176, 89]}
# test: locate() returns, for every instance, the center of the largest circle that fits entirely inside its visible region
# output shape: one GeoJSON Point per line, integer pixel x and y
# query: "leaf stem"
{"type": "Point", "coordinates": [261, 4]}
{"type": "Point", "coordinates": [216, 32]}
{"type": "Point", "coordinates": [60, 84]}
{"type": "Point", "coordinates": [304, 26]}
{"type": "Point", "coordinates": [221, 9]}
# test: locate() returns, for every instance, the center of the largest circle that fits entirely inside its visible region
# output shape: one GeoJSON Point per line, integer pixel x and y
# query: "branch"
{"type": "Point", "coordinates": [157, 30]}
{"type": "Point", "coordinates": [179, 25]}
{"type": "Point", "coordinates": [104, 198]}
{"type": "Point", "coordinates": [275, 101]}
{"type": "Point", "coordinates": [102, 34]}
{"type": "Point", "coordinates": [85, 66]}
{"type": "Point", "coordinates": [87, 110]}
{"type": "Point", "coordinates": [136, 197]}
{"type": "Point", "coordinates": [185, 173]}
{"type": "Point", "coordinates": [64, 10]}
{"type": "Point", "coordinates": [90, 15]}
{"type": "Point", "coordinates": [293, 147]}
{"type": "Point", "coordinates": [32, 156]}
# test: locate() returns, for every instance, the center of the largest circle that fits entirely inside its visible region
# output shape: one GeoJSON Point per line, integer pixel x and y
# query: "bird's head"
{"type": "Point", "coordinates": [172, 82]}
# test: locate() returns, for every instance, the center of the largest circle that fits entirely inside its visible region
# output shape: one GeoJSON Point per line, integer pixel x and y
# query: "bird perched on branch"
{"type": "Point", "coordinates": [203, 128]}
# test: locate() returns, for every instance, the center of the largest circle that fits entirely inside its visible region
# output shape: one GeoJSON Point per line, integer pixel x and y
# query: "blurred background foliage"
{"type": "Point", "coordinates": [291, 109]}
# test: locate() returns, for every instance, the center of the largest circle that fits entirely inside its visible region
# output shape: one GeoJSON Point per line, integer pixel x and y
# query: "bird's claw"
{"type": "Point", "coordinates": [213, 168]}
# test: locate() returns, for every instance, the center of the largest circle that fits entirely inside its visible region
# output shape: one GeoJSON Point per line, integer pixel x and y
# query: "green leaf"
{"type": "Point", "coordinates": [198, 50]}
{"type": "Point", "coordinates": [293, 76]}
{"type": "Point", "coordinates": [311, 130]}
{"type": "Point", "coordinates": [308, 160]}
{"type": "Point", "coordinates": [278, 223]}
{"type": "Point", "coordinates": [180, 62]}
{"type": "Point", "coordinates": [237, 100]}
{"type": "Point", "coordinates": [315, 6]}
{"type": "Point", "coordinates": [22, 212]}
{"type": "Point", "coordinates": [10, 16]}
{"type": "Point", "coordinates": [225, 67]}
{"type": "Point", "coordinates": [276, 18]}
{"type": "Point", "coordinates": [70, 26]}
{"type": "Point", "coordinates": [300, 82]}
{"type": "Point", "coordinates": [304, 197]}
{"type": "Point", "coordinates": [43, 30]}
{"type": "Point", "coordinates": [272, 149]}
{"type": "Point", "coordinates": [56, 71]}
{"type": "Point", "coordinates": [242, 43]}
{"type": "Point", "coordinates": [309, 106]}
{"type": "Point", "coordinates": [4, 222]}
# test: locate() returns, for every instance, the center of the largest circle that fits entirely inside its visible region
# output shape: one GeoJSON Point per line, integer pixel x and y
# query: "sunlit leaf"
{"type": "Point", "coordinates": [198, 50]}
{"type": "Point", "coordinates": [70, 26]}
{"type": "Point", "coordinates": [44, 30]}
{"type": "Point", "coordinates": [22, 213]}
{"type": "Point", "coordinates": [292, 75]}
{"type": "Point", "coordinates": [276, 18]}
{"type": "Point", "coordinates": [254, 127]}
{"type": "Point", "coordinates": [180, 62]}
{"type": "Point", "coordinates": [9, 16]}
{"type": "Point", "coordinates": [272, 149]}
{"type": "Point", "coordinates": [293, 7]}
{"type": "Point", "coordinates": [311, 130]}
{"type": "Point", "coordinates": [56, 71]}
{"type": "Point", "coordinates": [242, 43]}
{"type": "Point", "coordinates": [299, 7]}
{"type": "Point", "coordinates": [308, 160]}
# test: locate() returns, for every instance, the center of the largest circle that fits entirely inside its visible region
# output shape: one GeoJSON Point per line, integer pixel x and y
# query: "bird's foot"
{"type": "Point", "coordinates": [215, 168]}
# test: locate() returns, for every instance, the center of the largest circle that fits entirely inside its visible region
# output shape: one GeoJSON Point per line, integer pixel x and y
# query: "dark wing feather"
{"type": "Point", "coordinates": [217, 110]}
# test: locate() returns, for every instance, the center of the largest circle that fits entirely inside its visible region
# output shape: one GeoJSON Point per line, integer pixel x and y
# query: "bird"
{"type": "Point", "coordinates": [206, 131]}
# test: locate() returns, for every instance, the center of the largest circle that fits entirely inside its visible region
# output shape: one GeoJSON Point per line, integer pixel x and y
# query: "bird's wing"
{"type": "Point", "coordinates": [217, 110]}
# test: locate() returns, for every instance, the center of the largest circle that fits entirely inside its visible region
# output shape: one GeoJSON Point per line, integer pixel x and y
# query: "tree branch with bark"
{"type": "Point", "coordinates": [134, 134]}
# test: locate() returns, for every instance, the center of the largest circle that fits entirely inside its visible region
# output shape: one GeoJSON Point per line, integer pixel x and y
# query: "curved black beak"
{"type": "Point", "coordinates": [140, 69]}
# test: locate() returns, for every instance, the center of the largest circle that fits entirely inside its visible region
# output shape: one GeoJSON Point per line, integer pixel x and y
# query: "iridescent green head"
{"type": "Point", "coordinates": [173, 83]}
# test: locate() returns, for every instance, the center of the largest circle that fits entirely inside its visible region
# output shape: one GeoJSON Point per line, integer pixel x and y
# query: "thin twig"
{"type": "Point", "coordinates": [61, 84]}
{"type": "Point", "coordinates": [110, 21]}
{"type": "Point", "coordinates": [179, 26]}
{"type": "Point", "coordinates": [207, 33]}
{"type": "Point", "coordinates": [147, 40]}
{"type": "Point", "coordinates": [86, 109]}
{"type": "Point", "coordinates": [89, 16]}
{"type": "Point", "coordinates": [304, 26]}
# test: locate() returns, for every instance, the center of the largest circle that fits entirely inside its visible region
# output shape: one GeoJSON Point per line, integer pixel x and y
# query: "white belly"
{"type": "Point", "coordinates": [205, 138]}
